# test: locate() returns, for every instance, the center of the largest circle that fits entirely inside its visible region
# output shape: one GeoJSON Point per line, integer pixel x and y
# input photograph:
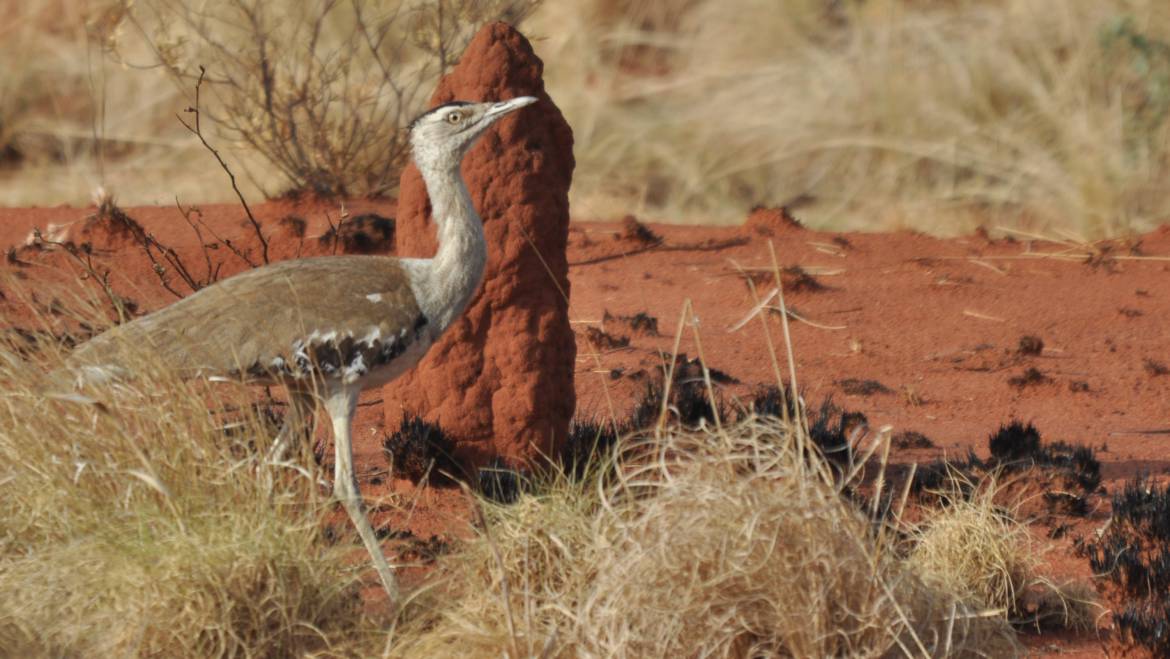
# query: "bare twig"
{"type": "Point", "coordinates": [211, 270]}
{"type": "Point", "coordinates": [226, 242]}
{"type": "Point", "coordinates": [704, 246]}
{"type": "Point", "coordinates": [197, 130]}
{"type": "Point", "coordinates": [83, 255]}
{"type": "Point", "coordinates": [167, 258]}
{"type": "Point", "coordinates": [335, 229]}
{"type": "Point", "coordinates": [121, 222]}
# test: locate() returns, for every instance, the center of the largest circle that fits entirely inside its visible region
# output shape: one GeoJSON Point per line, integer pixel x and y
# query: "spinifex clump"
{"type": "Point", "coordinates": [1073, 472]}
{"type": "Point", "coordinates": [420, 449]}
{"type": "Point", "coordinates": [1134, 555]}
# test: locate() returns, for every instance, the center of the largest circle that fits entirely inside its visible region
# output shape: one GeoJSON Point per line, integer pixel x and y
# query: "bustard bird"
{"type": "Point", "coordinates": [332, 325]}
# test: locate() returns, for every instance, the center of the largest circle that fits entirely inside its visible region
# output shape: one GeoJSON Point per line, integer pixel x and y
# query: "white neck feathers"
{"type": "Point", "coordinates": [451, 278]}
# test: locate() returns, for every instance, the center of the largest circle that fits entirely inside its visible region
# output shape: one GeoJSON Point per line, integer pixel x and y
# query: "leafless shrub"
{"type": "Point", "coordinates": [321, 90]}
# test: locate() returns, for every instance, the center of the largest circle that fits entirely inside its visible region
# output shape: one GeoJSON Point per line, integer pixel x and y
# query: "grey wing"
{"type": "Point", "coordinates": [284, 319]}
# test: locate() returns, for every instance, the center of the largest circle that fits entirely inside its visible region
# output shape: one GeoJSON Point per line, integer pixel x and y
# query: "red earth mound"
{"type": "Point", "coordinates": [918, 333]}
{"type": "Point", "coordinates": [501, 378]}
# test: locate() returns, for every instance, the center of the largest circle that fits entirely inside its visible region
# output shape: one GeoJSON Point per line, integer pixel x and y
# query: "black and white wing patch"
{"type": "Point", "coordinates": [341, 355]}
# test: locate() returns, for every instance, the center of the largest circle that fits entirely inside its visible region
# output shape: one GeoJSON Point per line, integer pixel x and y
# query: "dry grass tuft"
{"type": "Point", "coordinates": [979, 550]}
{"type": "Point", "coordinates": [133, 524]}
{"type": "Point", "coordinates": [976, 548]}
{"type": "Point", "coordinates": [706, 542]}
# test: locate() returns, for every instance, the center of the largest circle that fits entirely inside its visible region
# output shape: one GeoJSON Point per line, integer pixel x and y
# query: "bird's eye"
{"type": "Point", "coordinates": [454, 118]}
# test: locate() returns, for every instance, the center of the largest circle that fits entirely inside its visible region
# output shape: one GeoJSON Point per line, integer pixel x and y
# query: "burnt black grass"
{"type": "Point", "coordinates": [421, 449]}
{"type": "Point", "coordinates": [1133, 557]}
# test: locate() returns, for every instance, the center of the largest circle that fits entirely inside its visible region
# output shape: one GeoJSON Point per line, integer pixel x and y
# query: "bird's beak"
{"type": "Point", "coordinates": [498, 110]}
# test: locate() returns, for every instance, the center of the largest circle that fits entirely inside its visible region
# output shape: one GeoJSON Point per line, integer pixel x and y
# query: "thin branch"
{"type": "Point", "coordinates": [226, 242]}
{"type": "Point", "coordinates": [117, 302]}
{"type": "Point", "coordinates": [198, 132]}
{"type": "Point", "coordinates": [186, 213]}
{"type": "Point", "coordinates": [147, 241]}
{"type": "Point", "coordinates": [705, 246]}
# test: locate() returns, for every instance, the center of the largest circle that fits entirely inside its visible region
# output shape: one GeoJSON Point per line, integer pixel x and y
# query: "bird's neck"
{"type": "Point", "coordinates": [457, 267]}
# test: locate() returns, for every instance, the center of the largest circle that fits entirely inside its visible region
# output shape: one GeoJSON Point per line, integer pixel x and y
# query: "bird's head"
{"type": "Point", "coordinates": [441, 137]}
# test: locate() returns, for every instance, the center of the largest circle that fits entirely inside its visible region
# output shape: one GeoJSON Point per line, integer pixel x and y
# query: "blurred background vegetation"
{"type": "Point", "coordinates": [937, 115]}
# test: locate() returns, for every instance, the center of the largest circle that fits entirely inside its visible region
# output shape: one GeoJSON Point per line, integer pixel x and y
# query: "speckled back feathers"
{"type": "Point", "coordinates": [333, 317]}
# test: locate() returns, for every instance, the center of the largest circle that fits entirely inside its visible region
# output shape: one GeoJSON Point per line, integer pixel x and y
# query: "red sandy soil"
{"type": "Point", "coordinates": [936, 322]}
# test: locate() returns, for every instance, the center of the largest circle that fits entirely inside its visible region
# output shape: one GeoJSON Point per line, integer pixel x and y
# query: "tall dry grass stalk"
{"type": "Point", "coordinates": [1047, 114]}
{"type": "Point", "coordinates": [708, 543]}
{"type": "Point", "coordinates": [133, 524]}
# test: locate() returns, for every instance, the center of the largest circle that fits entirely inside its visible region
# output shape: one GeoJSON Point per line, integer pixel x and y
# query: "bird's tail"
{"type": "Point", "coordinates": [66, 383]}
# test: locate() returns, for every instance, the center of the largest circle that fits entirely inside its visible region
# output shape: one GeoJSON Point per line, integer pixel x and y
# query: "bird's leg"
{"type": "Point", "coordinates": [297, 425]}
{"type": "Point", "coordinates": [341, 404]}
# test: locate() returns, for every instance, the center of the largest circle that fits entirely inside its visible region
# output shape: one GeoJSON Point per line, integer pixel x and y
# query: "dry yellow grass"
{"type": "Point", "coordinates": [1050, 114]}
{"type": "Point", "coordinates": [132, 524]}
{"type": "Point", "coordinates": [1043, 114]}
{"type": "Point", "coordinates": [976, 547]}
{"type": "Point", "coordinates": [81, 121]}
{"type": "Point", "coordinates": [304, 97]}
{"type": "Point", "coordinates": [709, 543]}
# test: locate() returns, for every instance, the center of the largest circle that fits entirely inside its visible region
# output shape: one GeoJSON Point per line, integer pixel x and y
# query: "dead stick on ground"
{"type": "Point", "coordinates": [712, 246]}
{"type": "Point", "coordinates": [198, 131]}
